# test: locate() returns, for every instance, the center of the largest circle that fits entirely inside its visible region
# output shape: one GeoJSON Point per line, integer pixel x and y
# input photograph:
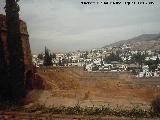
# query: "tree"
{"type": "Point", "coordinates": [54, 56]}
{"type": "Point", "coordinates": [157, 60]}
{"type": "Point", "coordinates": [85, 55]}
{"type": "Point", "coordinates": [112, 57]}
{"type": "Point", "coordinates": [63, 62]}
{"type": "Point", "coordinates": [47, 58]}
{"type": "Point", "coordinates": [156, 105]}
{"type": "Point", "coordinates": [152, 65]}
{"type": "Point", "coordinates": [138, 58]}
{"type": "Point", "coordinates": [60, 62]}
{"type": "Point", "coordinates": [40, 56]}
{"type": "Point", "coordinates": [16, 86]}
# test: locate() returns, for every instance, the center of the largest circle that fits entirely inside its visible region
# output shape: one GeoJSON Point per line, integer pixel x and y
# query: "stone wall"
{"type": "Point", "coordinates": [25, 44]}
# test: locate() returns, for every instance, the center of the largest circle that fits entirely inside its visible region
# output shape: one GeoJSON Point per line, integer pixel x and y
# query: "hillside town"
{"type": "Point", "coordinates": [109, 59]}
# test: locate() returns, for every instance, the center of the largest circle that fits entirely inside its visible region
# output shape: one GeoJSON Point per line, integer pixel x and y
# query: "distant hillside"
{"type": "Point", "coordinates": [141, 42]}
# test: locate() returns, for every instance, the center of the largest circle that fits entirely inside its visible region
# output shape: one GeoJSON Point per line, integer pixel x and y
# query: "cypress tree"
{"type": "Point", "coordinates": [16, 86]}
{"type": "Point", "coordinates": [47, 58]}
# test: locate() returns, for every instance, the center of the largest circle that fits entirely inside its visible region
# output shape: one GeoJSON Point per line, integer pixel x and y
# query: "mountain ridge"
{"type": "Point", "coordinates": [148, 41]}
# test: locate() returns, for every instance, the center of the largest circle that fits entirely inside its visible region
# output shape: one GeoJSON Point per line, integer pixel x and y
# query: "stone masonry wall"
{"type": "Point", "coordinates": [25, 45]}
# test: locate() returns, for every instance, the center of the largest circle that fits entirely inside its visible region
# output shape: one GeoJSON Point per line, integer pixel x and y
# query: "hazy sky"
{"type": "Point", "coordinates": [65, 25]}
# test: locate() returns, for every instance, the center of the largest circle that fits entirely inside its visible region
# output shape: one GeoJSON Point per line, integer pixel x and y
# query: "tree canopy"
{"type": "Point", "coordinates": [138, 58]}
{"type": "Point", "coordinates": [47, 58]}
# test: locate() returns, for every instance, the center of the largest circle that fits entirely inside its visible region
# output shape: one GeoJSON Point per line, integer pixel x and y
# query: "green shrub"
{"type": "Point", "coordinates": [156, 105]}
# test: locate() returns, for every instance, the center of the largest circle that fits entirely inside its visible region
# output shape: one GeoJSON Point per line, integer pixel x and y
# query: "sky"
{"type": "Point", "coordinates": [69, 25]}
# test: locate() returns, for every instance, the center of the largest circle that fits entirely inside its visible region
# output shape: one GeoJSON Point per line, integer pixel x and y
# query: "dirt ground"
{"type": "Point", "coordinates": [72, 86]}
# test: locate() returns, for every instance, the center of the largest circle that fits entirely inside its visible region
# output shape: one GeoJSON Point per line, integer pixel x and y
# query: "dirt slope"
{"type": "Point", "coordinates": [70, 86]}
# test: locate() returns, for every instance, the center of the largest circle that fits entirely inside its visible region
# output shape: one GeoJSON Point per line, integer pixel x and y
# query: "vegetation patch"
{"type": "Point", "coordinates": [135, 112]}
{"type": "Point", "coordinates": [119, 111]}
{"type": "Point", "coordinates": [156, 105]}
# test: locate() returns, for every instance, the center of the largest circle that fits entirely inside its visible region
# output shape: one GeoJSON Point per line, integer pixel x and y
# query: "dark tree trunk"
{"type": "Point", "coordinates": [16, 59]}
